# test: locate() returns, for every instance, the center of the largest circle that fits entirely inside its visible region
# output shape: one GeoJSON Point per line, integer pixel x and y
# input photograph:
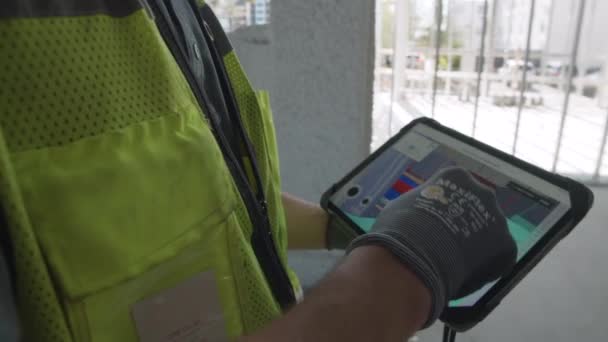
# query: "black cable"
{"type": "Point", "coordinates": [452, 336]}
{"type": "Point", "coordinates": [449, 334]}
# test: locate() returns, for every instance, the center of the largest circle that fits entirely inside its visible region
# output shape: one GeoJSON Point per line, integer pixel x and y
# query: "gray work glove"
{"type": "Point", "coordinates": [450, 232]}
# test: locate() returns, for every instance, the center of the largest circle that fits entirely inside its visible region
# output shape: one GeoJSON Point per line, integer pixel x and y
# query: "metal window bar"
{"type": "Point", "coordinates": [524, 76]}
{"type": "Point", "coordinates": [600, 159]}
{"type": "Point", "coordinates": [438, 20]}
{"type": "Point", "coordinates": [394, 87]}
{"type": "Point", "coordinates": [570, 72]}
{"type": "Point", "coordinates": [482, 55]}
{"type": "Point", "coordinates": [575, 33]}
{"type": "Point", "coordinates": [450, 43]}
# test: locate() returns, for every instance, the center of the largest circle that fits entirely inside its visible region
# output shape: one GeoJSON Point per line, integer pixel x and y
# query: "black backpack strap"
{"type": "Point", "coordinates": [222, 43]}
{"type": "Point", "coordinates": [6, 245]}
{"type": "Point", "coordinates": [181, 25]}
{"type": "Point", "coordinates": [190, 37]}
{"type": "Point", "coordinates": [9, 327]}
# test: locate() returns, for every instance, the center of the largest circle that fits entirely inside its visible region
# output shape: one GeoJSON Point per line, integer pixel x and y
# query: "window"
{"type": "Point", "coordinates": [234, 14]}
{"type": "Point", "coordinates": [532, 85]}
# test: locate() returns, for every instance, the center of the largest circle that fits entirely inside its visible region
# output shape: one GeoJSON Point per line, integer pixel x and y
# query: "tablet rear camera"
{"type": "Point", "coordinates": [353, 191]}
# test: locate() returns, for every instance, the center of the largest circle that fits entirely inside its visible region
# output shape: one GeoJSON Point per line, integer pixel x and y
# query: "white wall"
{"type": "Point", "coordinates": [316, 58]}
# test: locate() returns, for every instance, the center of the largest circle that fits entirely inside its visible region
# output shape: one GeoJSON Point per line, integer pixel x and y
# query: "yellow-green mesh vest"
{"type": "Point", "coordinates": [112, 183]}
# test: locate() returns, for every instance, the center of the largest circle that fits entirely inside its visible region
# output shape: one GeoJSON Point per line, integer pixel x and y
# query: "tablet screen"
{"type": "Point", "coordinates": [532, 205]}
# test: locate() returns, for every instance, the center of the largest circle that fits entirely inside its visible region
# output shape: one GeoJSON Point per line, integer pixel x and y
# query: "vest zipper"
{"type": "Point", "coordinates": [261, 239]}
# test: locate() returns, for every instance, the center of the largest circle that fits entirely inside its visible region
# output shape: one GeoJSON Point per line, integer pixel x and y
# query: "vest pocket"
{"type": "Point", "coordinates": [124, 215]}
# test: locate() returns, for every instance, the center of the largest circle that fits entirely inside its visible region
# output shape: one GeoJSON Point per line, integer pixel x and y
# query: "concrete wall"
{"type": "Point", "coordinates": [316, 58]}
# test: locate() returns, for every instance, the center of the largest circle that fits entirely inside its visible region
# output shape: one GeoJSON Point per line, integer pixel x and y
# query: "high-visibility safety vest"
{"type": "Point", "coordinates": [137, 165]}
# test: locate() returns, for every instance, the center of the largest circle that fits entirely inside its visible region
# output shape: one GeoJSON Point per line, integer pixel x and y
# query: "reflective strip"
{"type": "Point", "coordinates": [57, 8]}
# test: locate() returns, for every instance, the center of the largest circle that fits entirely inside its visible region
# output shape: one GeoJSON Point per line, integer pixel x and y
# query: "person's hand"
{"type": "Point", "coordinates": [450, 232]}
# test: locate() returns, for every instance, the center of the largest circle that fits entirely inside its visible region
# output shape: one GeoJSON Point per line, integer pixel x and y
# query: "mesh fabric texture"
{"type": "Point", "coordinates": [70, 78]}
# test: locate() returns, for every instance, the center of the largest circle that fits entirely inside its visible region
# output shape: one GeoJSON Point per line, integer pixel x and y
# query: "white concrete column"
{"type": "Point", "coordinates": [401, 46]}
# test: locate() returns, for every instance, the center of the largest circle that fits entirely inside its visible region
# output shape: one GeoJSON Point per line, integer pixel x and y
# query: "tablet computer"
{"type": "Point", "coordinates": [540, 207]}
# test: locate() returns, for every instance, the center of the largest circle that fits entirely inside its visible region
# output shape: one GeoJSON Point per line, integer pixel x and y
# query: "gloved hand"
{"type": "Point", "coordinates": [450, 232]}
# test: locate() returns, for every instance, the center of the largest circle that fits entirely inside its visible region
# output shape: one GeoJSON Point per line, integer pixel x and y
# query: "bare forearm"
{"type": "Point", "coordinates": [306, 223]}
{"type": "Point", "coordinates": [369, 297]}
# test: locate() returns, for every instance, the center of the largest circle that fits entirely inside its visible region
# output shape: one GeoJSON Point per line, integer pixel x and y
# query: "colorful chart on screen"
{"type": "Point", "coordinates": [419, 154]}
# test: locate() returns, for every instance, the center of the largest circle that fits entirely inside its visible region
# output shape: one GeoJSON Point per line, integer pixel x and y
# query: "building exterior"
{"type": "Point", "coordinates": [234, 14]}
{"type": "Point", "coordinates": [553, 30]}
{"type": "Point", "coordinates": [511, 19]}
{"type": "Point", "coordinates": [240, 15]}
{"type": "Point", "coordinates": [261, 12]}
